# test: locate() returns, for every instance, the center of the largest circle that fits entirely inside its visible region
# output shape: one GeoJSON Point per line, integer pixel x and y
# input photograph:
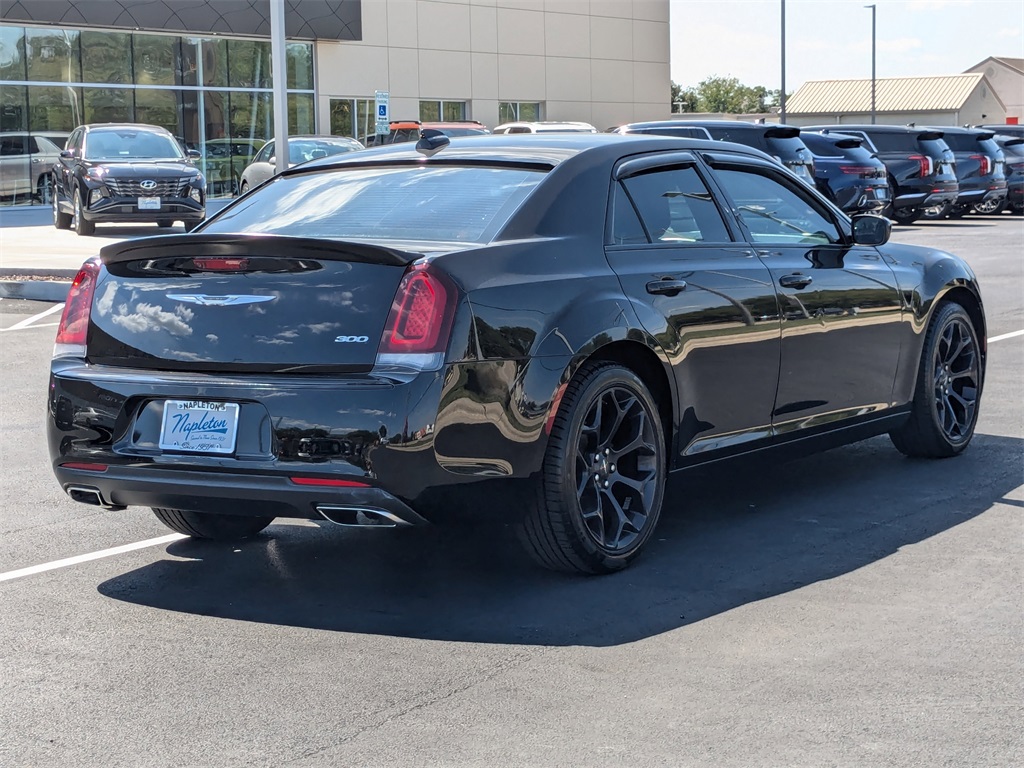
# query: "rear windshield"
{"type": "Point", "coordinates": [788, 149]}
{"type": "Point", "coordinates": [894, 142]}
{"type": "Point", "coordinates": [434, 203]}
{"type": "Point", "coordinates": [128, 144]}
{"type": "Point", "coordinates": [935, 147]}
{"type": "Point", "coordinates": [966, 142]}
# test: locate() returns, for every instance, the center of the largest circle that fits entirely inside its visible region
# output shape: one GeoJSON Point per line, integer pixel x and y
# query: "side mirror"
{"type": "Point", "coordinates": [272, 159]}
{"type": "Point", "coordinates": [870, 229]}
{"type": "Point", "coordinates": [194, 153]}
{"type": "Point", "coordinates": [66, 153]}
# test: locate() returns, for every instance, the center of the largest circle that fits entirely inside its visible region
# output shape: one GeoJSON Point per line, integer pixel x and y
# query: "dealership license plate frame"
{"type": "Point", "coordinates": [149, 204]}
{"type": "Point", "coordinates": [184, 412]}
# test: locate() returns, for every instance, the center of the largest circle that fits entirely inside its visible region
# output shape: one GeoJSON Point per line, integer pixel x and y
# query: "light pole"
{"type": "Point", "coordinates": [872, 7]}
{"type": "Point", "coordinates": [782, 91]}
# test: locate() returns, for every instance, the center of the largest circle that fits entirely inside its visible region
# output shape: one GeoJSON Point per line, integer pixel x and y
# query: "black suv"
{"type": "Point", "coordinates": [848, 173]}
{"type": "Point", "coordinates": [780, 141]}
{"type": "Point", "coordinates": [126, 172]}
{"type": "Point", "coordinates": [1013, 153]}
{"type": "Point", "coordinates": [1004, 129]}
{"type": "Point", "coordinates": [979, 170]}
{"type": "Point", "coordinates": [922, 169]}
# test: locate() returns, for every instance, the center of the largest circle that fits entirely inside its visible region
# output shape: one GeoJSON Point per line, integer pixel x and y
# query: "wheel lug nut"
{"type": "Point", "coordinates": [597, 478]}
{"type": "Point", "coordinates": [611, 468]}
{"type": "Point", "coordinates": [607, 451]}
{"type": "Point", "coordinates": [606, 483]}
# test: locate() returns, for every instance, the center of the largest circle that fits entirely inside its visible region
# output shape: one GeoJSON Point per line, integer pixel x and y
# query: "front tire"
{"type": "Point", "coordinates": [944, 411]}
{"type": "Point", "coordinates": [61, 220]}
{"type": "Point", "coordinates": [81, 226]}
{"type": "Point", "coordinates": [600, 493]}
{"type": "Point", "coordinates": [208, 525]}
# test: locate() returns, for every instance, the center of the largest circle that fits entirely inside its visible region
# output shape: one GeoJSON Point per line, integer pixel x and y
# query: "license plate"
{"type": "Point", "coordinates": [149, 203]}
{"type": "Point", "coordinates": [197, 426]}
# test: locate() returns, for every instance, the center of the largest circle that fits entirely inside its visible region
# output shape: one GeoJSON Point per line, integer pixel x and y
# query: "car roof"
{"type": "Point", "coordinates": [955, 129]}
{"type": "Point", "coordinates": [123, 126]}
{"type": "Point", "coordinates": [546, 124]}
{"type": "Point", "coordinates": [546, 149]}
{"type": "Point", "coordinates": [867, 128]}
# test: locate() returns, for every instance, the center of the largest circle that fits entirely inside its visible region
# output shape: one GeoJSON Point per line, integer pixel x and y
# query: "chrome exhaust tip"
{"type": "Point", "coordinates": [359, 517]}
{"type": "Point", "coordinates": [86, 495]}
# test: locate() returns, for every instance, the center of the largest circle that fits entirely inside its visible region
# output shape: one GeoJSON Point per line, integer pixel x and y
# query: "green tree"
{"type": "Point", "coordinates": [724, 94]}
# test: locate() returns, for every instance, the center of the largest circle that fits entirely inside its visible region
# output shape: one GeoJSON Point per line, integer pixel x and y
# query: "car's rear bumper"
{"type": "Point", "coordinates": [367, 430]}
{"type": "Point", "coordinates": [229, 493]}
{"type": "Point", "coordinates": [926, 193]}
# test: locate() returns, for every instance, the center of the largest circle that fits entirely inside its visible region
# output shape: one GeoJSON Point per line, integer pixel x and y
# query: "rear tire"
{"type": "Point", "coordinates": [190, 225]}
{"type": "Point", "coordinates": [906, 216]}
{"type": "Point", "coordinates": [208, 525]}
{"type": "Point", "coordinates": [599, 496]}
{"type": "Point", "coordinates": [244, 188]}
{"type": "Point", "coordinates": [165, 223]}
{"type": "Point", "coordinates": [944, 410]}
{"type": "Point", "coordinates": [991, 207]}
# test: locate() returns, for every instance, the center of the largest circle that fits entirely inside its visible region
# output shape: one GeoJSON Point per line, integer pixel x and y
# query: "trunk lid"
{"type": "Point", "coordinates": [243, 303]}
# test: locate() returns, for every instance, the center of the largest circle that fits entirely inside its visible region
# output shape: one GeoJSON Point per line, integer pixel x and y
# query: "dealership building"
{"type": "Point", "coordinates": [201, 68]}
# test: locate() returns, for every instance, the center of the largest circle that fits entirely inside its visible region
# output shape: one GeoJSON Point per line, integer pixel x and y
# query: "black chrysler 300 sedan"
{"type": "Point", "coordinates": [558, 320]}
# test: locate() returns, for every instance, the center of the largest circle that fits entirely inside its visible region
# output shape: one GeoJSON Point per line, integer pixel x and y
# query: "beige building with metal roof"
{"type": "Point", "coordinates": [943, 100]}
{"type": "Point", "coordinates": [1007, 78]}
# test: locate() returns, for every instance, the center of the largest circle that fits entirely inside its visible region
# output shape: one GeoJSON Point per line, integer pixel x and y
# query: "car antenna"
{"type": "Point", "coordinates": [431, 142]}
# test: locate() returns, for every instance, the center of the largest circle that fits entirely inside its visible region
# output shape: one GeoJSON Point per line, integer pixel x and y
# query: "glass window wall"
{"type": "Point", "coordinates": [214, 94]}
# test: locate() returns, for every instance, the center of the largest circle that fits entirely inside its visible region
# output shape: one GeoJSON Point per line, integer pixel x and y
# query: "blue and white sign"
{"type": "Point", "coordinates": [198, 426]}
{"type": "Point", "coordinates": [382, 112]}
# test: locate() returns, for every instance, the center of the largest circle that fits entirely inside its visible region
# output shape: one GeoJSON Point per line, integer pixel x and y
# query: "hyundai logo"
{"type": "Point", "coordinates": [148, 184]}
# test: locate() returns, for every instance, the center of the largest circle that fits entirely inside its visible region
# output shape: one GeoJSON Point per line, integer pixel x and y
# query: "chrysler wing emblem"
{"type": "Point", "coordinates": [217, 301]}
{"type": "Point", "coordinates": [148, 184]}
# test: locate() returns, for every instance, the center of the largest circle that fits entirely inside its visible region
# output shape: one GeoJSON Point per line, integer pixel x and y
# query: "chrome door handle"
{"type": "Point", "coordinates": [795, 281]}
{"type": "Point", "coordinates": [666, 287]}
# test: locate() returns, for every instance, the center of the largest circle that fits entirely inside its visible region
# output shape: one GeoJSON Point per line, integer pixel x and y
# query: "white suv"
{"type": "Point", "coordinates": [545, 127]}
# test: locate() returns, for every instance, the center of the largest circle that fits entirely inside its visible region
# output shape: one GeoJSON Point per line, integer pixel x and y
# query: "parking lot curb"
{"type": "Point", "coordinates": [36, 284]}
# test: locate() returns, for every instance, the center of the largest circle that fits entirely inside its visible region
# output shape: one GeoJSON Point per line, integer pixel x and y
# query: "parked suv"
{"type": "Point", "coordinates": [126, 172]}
{"type": "Point", "coordinates": [780, 141]}
{"type": "Point", "coordinates": [979, 170]}
{"type": "Point", "coordinates": [922, 168]}
{"type": "Point", "coordinates": [545, 126]}
{"type": "Point", "coordinates": [1004, 129]}
{"type": "Point", "coordinates": [409, 130]}
{"type": "Point", "coordinates": [848, 173]}
{"type": "Point", "coordinates": [25, 163]}
{"type": "Point", "coordinates": [1013, 153]}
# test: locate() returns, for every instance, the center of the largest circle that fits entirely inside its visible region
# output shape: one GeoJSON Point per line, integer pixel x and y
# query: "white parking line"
{"type": "Point", "coordinates": [29, 320]}
{"type": "Point", "coordinates": [1006, 336]}
{"type": "Point", "coordinates": [91, 556]}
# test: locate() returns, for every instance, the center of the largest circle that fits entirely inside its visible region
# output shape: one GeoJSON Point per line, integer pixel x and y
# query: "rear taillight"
{"type": "Point", "coordinates": [984, 164]}
{"type": "Point", "coordinates": [416, 334]}
{"type": "Point", "coordinates": [74, 322]}
{"type": "Point", "coordinates": [927, 166]}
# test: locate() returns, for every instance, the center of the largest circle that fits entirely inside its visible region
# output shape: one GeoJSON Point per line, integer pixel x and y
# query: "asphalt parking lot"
{"type": "Point", "coordinates": [852, 608]}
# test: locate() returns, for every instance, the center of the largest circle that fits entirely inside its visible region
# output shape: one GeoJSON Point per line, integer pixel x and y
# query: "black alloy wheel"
{"type": "Point", "coordinates": [604, 475]}
{"type": "Point", "coordinates": [945, 406]}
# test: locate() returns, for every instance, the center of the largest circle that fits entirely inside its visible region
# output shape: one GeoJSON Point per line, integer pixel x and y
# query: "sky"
{"type": "Point", "coordinates": [831, 39]}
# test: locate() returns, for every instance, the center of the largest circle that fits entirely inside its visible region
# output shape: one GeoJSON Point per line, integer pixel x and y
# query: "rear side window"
{"type": "Point", "coordinates": [434, 203]}
{"type": "Point", "coordinates": [677, 207]}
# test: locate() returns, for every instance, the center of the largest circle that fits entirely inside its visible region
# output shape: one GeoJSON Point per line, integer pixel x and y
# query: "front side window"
{"type": "Point", "coordinates": [436, 203]}
{"type": "Point", "coordinates": [774, 212]}
{"type": "Point", "coordinates": [676, 207]}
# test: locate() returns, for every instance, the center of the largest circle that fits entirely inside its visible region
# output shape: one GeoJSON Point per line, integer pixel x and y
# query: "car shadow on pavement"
{"type": "Point", "coordinates": [726, 539]}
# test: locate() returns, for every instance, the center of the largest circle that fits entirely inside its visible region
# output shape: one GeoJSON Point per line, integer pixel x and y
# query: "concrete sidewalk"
{"type": "Point", "coordinates": [38, 261]}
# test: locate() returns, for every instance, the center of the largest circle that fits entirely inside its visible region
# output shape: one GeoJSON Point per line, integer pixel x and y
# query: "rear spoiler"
{"type": "Point", "coordinates": [930, 135]}
{"type": "Point", "coordinates": [1014, 142]}
{"type": "Point", "coordinates": [782, 132]}
{"type": "Point", "coordinates": [850, 143]}
{"type": "Point", "coordinates": [235, 245]}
